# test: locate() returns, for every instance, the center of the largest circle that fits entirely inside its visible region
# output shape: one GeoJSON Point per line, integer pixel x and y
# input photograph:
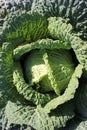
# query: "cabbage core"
{"type": "Point", "coordinates": [49, 70]}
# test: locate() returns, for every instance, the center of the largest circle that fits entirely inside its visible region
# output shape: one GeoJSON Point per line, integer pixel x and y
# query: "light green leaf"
{"type": "Point", "coordinates": [40, 44]}
{"type": "Point", "coordinates": [59, 29]}
{"type": "Point", "coordinates": [37, 117]}
{"type": "Point", "coordinates": [23, 26]}
{"type": "Point", "coordinates": [69, 92]}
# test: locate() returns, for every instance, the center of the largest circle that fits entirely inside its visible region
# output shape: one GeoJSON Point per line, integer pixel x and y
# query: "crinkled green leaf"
{"type": "Point", "coordinates": [37, 117]}
{"type": "Point", "coordinates": [22, 26]}
{"type": "Point", "coordinates": [69, 92]}
{"type": "Point", "coordinates": [40, 44]}
{"type": "Point", "coordinates": [6, 75]}
{"type": "Point", "coordinates": [6, 66]}
{"type": "Point", "coordinates": [76, 124]}
{"type": "Point", "coordinates": [27, 89]}
{"type": "Point", "coordinates": [25, 103]}
{"type": "Point", "coordinates": [74, 11]}
{"type": "Point", "coordinates": [82, 126]}
{"type": "Point", "coordinates": [61, 30]}
{"type": "Point", "coordinates": [60, 68]}
{"type": "Point", "coordinates": [4, 123]}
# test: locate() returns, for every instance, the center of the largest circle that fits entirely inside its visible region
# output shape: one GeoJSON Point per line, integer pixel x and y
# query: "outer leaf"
{"type": "Point", "coordinates": [82, 126]}
{"type": "Point", "coordinates": [8, 6]}
{"type": "Point", "coordinates": [74, 11]}
{"type": "Point", "coordinates": [40, 44]}
{"type": "Point", "coordinates": [7, 89]}
{"type": "Point", "coordinates": [6, 66]}
{"type": "Point", "coordinates": [3, 120]}
{"type": "Point", "coordinates": [76, 124]}
{"type": "Point", "coordinates": [37, 117]}
{"type": "Point", "coordinates": [65, 34]}
{"type": "Point", "coordinates": [69, 92]}
{"type": "Point", "coordinates": [4, 123]}
{"type": "Point", "coordinates": [23, 26]}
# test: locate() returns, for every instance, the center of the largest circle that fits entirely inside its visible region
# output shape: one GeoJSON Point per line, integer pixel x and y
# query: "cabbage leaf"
{"type": "Point", "coordinates": [41, 68]}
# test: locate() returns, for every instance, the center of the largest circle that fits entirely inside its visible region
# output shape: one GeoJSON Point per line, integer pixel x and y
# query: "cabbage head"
{"type": "Point", "coordinates": [42, 66]}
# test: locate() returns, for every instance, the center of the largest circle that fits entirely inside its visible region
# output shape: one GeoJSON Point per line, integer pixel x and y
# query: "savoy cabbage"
{"type": "Point", "coordinates": [43, 66]}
